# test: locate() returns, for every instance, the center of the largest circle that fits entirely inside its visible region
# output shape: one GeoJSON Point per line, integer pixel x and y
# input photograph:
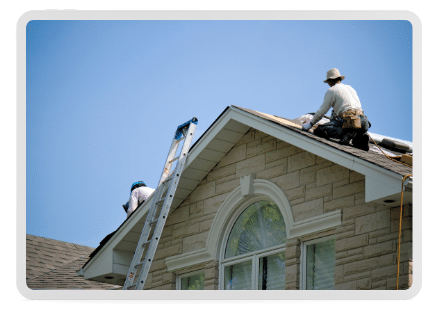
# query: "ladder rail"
{"type": "Point", "coordinates": [168, 165]}
{"type": "Point", "coordinates": [164, 211]}
{"type": "Point", "coordinates": [143, 238]}
{"type": "Point", "coordinates": [161, 204]}
{"type": "Point", "coordinates": [152, 212]}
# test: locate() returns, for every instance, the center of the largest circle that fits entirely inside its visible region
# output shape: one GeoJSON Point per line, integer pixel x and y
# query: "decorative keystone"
{"type": "Point", "coordinates": [246, 185]}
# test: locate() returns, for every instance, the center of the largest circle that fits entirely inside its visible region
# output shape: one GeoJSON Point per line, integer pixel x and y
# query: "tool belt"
{"type": "Point", "coordinates": [351, 119]}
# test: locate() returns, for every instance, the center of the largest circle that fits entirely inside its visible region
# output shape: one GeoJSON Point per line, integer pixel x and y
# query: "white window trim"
{"type": "Point", "coordinates": [247, 191]}
{"type": "Point", "coordinates": [303, 259]}
{"type": "Point", "coordinates": [236, 203]}
{"type": "Point", "coordinates": [179, 277]}
{"type": "Point", "coordinates": [239, 210]}
{"type": "Point", "coordinates": [255, 255]}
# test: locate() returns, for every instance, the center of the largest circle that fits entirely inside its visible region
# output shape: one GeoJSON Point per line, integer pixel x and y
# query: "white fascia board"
{"type": "Point", "coordinates": [101, 266]}
{"type": "Point", "coordinates": [88, 270]}
{"type": "Point", "coordinates": [208, 137]}
{"type": "Point", "coordinates": [376, 189]}
{"type": "Point", "coordinates": [390, 179]}
{"type": "Point", "coordinates": [107, 251]}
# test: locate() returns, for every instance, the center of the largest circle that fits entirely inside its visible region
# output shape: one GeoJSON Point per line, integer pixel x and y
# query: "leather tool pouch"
{"type": "Point", "coordinates": [351, 119]}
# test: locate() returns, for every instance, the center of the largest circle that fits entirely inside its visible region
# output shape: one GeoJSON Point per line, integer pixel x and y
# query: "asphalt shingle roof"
{"type": "Point", "coordinates": [52, 264]}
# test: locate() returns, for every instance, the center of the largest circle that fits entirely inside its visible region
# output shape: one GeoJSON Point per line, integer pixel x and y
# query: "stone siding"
{"type": "Point", "coordinates": [366, 242]}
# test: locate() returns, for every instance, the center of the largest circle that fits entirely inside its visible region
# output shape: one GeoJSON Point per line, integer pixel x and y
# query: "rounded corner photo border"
{"type": "Point", "coordinates": [209, 265]}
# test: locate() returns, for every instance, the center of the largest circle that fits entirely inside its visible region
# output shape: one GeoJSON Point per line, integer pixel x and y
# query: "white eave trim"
{"type": "Point", "coordinates": [121, 232]}
{"type": "Point", "coordinates": [208, 136]}
{"type": "Point", "coordinates": [80, 272]}
{"type": "Point", "coordinates": [143, 209]}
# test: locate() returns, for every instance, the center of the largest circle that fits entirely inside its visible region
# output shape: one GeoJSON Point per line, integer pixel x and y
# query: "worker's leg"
{"type": "Point", "coordinates": [361, 140]}
{"type": "Point", "coordinates": [332, 129]}
{"type": "Point", "coordinates": [126, 206]}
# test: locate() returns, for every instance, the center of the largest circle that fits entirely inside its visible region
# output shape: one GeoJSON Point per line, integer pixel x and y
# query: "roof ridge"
{"type": "Point", "coordinates": [51, 239]}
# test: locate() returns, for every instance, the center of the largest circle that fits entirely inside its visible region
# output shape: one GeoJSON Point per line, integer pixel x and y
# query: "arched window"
{"type": "Point", "coordinates": [255, 249]}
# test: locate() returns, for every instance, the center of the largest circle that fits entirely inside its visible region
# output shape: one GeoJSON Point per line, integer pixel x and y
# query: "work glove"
{"type": "Point", "coordinates": [307, 126]}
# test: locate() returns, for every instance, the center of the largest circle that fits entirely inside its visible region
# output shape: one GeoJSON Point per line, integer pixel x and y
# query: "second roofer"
{"type": "Point", "coordinates": [139, 193]}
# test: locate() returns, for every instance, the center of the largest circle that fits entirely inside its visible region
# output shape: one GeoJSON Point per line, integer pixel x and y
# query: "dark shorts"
{"type": "Point", "coordinates": [333, 129]}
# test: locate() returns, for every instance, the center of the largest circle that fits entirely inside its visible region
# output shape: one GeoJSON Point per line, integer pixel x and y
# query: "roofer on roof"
{"type": "Point", "coordinates": [139, 193]}
{"type": "Point", "coordinates": [347, 121]}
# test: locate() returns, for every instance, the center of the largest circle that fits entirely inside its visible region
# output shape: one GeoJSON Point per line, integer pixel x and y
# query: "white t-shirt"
{"type": "Point", "coordinates": [341, 98]}
{"type": "Point", "coordinates": [137, 195]}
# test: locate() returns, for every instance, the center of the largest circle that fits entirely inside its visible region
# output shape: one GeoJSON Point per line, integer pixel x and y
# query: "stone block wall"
{"type": "Point", "coordinates": [366, 255]}
{"type": "Point", "coordinates": [366, 242]}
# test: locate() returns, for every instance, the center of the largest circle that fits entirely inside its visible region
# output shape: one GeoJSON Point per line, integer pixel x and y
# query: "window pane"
{"type": "Point", "coordinates": [238, 276]}
{"type": "Point", "coordinates": [320, 265]}
{"type": "Point", "coordinates": [194, 282]}
{"type": "Point", "coordinates": [260, 226]}
{"type": "Point", "coordinates": [271, 272]}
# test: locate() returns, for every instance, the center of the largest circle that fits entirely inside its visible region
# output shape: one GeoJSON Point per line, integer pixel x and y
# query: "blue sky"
{"type": "Point", "coordinates": [104, 98]}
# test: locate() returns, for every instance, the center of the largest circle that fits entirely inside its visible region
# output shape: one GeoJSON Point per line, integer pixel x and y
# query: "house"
{"type": "Point", "coordinates": [52, 264]}
{"type": "Point", "coordinates": [262, 204]}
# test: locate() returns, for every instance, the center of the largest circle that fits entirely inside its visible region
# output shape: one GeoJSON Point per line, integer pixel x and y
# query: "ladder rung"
{"type": "Point", "coordinates": [144, 244]}
{"type": "Point", "coordinates": [168, 179]}
{"type": "Point", "coordinates": [153, 221]}
{"type": "Point", "coordinates": [175, 159]}
{"type": "Point", "coordinates": [161, 201]}
{"type": "Point", "coordinates": [138, 264]}
{"type": "Point", "coordinates": [130, 286]}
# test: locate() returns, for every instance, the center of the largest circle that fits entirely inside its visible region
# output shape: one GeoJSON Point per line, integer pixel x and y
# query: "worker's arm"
{"type": "Point", "coordinates": [326, 105]}
{"type": "Point", "coordinates": [133, 202]}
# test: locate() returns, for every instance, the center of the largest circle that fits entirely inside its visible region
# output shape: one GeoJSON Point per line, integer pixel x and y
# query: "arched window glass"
{"type": "Point", "coordinates": [259, 227]}
{"type": "Point", "coordinates": [254, 255]}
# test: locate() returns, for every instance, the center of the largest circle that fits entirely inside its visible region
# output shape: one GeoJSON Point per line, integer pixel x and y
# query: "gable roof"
{"type": "Point", "coordinates": [383, 176]}
{"type": "Point", "coordinates": [52, 264]}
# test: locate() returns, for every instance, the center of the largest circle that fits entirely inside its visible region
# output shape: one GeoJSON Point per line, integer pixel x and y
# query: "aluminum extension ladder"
{"type": "Point", "coordinates": [161, 204]}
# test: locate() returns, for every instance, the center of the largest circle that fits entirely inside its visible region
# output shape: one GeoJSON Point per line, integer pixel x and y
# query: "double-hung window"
{"type": "Point", "coordinates": [191, 281]}
{"type": "Point", "coordinates": [318, 264]}
{"type": "Point", "coordinates": [254, 256]}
